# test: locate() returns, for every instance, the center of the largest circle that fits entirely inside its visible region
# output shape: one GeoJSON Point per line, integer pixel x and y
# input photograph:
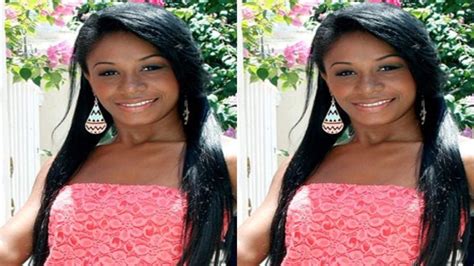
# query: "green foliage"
{"type": "Point", "coordinates": [260, 64]}
{"type": "Point", "coordinates": [451, 26]}
{"type": "Point", "coordinates": [213, 25]}
{"type": "Point", "coordinates": [24, 63]}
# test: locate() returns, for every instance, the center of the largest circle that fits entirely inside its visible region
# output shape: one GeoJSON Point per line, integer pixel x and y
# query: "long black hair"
{"type": "Point", "coordinates": [205, 177]}
{"type": "Point", "coordinates": [442, 178]}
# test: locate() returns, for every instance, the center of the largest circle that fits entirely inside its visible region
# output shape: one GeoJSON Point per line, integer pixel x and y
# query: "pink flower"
{"type": "Point", "coordinates": [296, 54]}
{"type": "Point", "coordinates": [10, 13]}
{"type": "Point", "coordinates": [153, 2]}
{"type": "Point", "coordinates": [231, 133]}
{"type": "Point", "coordinates": [8, 53]}
{"type": "Point", "coordinates": [301, 10]}
{"type": "Point", "coordinates": [247, 13]}
{"type": "Point", "coordinates": [59, 22]}
{"type": "Point", "coordinates": [66, 8]}
{"type": "Point", "coordinates": [59, 54]}
{"type": "Point", "coordinates": [157, 2]}
{"type": "Point", "coordinates": [467, 132]}
{"type": "Point", "coordinates": [393, 2]}
{"type": "Point", "coordinates": [246, 53]}
{"type": "Point", "coordinates": [296, 22]}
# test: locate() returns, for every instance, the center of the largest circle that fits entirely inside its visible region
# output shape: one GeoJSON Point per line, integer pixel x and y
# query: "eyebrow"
{"type": "Point", "coordinates": [141, 59]}
{"type": "Point", "coordinates": [377, 59]}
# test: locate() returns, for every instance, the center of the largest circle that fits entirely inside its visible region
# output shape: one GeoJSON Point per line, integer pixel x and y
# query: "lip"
{"type": "Point", "coordinates": [375, 105]}
{"type": "Point", "coordinates": [136, 106]}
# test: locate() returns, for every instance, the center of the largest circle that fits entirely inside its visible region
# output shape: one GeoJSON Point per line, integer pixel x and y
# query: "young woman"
{"type": "Point", "coordinates": [160, 193]}
{"type": "Point", "coordinates": [397, 193]}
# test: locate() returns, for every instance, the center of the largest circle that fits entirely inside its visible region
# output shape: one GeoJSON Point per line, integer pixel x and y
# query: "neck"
{"type": "Point", "coordinates": [168, 129]}
{"type": "Point", "coordinates": [402, 130]}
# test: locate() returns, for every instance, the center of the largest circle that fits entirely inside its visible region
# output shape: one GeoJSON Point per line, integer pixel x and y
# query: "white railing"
{"type": "Point", "coordinates": [23, 104]}
{"type": "Point", "coordinates": [4, 132]}
{"type": "Point", "coordinates": [257, 140]}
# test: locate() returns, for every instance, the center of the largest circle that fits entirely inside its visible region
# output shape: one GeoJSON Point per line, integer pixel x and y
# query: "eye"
{"type": "Point", "coordinates": [151, 68]}
{"type": "Point", "coordinates": [108, 73]}
{"type": "Point", "coordinates": [345, 73]}
{"type": "Point", "coordinates": [388, 68]}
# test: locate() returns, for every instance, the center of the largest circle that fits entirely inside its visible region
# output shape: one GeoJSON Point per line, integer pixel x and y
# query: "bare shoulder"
{"type": "Point", "coordinates": [466, 148]}
{"type": "Point", "coordinates": [230, 149]}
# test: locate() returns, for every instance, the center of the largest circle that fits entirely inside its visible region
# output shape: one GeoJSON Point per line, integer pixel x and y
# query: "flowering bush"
{"type": "Point", "coordinates": [282, 70]}
{"type": "Point", "coordinates": [26, 63]}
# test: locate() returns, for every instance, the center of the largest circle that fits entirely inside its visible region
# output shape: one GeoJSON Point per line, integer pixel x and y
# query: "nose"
{"type": "Point", "coordinates": [369, 83]}
{"type": "Point", "coordinates": [132, 83]}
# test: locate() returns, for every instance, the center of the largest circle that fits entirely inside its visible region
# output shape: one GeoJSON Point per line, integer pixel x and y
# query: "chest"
{"type": "Point", "coordinates": [146, 166]}
{"type": "Point", "coordinates": [343, 224]}
{"type": "Point", "coordinates": [110, 224]}
{"type": "Point", "coordinates": [395, 166]}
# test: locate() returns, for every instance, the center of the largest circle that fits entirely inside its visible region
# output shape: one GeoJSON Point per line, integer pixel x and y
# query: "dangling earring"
{"type": "Point", "coordinates": [95, 123]}
{"type": "Point", "coordinates": [186, 111]}
{"type": "Point", "coordinates": [422, 111]}
{"type": "Point", "coordinates": [332, 123]}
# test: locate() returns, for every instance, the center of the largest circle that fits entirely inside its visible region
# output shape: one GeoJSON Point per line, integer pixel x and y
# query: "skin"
{"type": "Point", "coordinates": [149, 148]}
{"type": "Point", "coordinates": [360, 70]}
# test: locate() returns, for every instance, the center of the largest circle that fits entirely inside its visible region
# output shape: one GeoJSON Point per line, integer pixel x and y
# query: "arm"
{"type": "Point", "coordinates": [16, 236]}
{"type": "Point", "coordinates": [466, 148]}
{"type": "Point", "coordinates": [253, 236]}
{"type": "Point", "coordinates": [230, 150]}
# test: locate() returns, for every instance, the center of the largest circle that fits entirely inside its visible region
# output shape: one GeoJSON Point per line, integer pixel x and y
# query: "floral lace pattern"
{"type": "Point", "coordinates": [346, 224]}
{"type": "Point", "coordinates": [108, 224]}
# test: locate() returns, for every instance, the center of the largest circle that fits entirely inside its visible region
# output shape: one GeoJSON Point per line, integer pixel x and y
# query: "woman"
{"type": "Point", "coordinates": [398, 192]}
{"type": "Point", "coordinates": [160, 193]}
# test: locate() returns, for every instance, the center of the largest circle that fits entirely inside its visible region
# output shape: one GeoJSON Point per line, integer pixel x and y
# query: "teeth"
{"type": "Point", "coordinates": [374, 104]}
{"type": "Point", "coordinates": [137, 104]}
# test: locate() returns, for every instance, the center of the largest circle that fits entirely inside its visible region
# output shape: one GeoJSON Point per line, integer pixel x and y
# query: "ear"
{"type": "Point", "coordinates": [87, 77]}
{"type": "Point", "coordinates": [324, 76]}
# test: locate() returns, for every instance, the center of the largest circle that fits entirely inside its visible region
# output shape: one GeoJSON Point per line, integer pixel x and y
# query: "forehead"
{"type": "Point", "coordinates": [356, 46]}
{"type": "Point", "coordinates": [120, 46]}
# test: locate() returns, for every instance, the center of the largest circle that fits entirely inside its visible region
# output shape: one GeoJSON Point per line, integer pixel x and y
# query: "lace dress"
{"type": "Point", "coordinates": [110, 224]}
{"type": "Point", "coordinates": [346, 224]}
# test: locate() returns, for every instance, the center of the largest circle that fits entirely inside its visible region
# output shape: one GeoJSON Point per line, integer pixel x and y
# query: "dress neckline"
{"type": "Point", "coordinates": [134, 186]}
{"type": "Point", "coordinates": [364, 186]}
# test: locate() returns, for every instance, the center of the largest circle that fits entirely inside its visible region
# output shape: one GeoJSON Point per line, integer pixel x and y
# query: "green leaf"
{"type": "Point", "coordinates": [262, 73]}
{"type": "Point", "coordinates": [37, 81]}
{"type": "Point", "coordinates": [25, 73]}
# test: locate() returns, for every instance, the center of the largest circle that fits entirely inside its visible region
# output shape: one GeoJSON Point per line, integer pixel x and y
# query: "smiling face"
{"type": "Point", "coordinates": [369, 80]}
{"type": "Point", "coordinates": [132, 81]}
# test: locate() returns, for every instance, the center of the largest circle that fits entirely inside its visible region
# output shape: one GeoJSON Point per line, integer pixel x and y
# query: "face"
{"type": "Point", "coordinates": [369, 80]}
{"type": "Point", "coordinates": [132, 81]}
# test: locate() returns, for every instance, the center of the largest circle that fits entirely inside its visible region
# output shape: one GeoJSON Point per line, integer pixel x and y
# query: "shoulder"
{"type": "Point", "coordinates": [466, 148]}
{"type": "Point", "coordinates": [230, 150]}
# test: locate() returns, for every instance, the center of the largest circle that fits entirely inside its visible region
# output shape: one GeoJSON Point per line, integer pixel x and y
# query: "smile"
{"type": "Point", "coordinates": [379, 103]}
{"type": "Point", "coordinates": [373, 106]}
{"type": "Point", "coordinates": [138, 106]}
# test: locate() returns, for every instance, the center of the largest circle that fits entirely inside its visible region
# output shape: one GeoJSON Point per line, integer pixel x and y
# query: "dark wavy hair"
{"type": "Point", "coordinates": [442, 178]}
{"type": "Point", "coordinates": [205, 177]}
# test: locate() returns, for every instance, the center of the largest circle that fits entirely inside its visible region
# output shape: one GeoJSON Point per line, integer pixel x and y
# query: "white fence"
{"type": "Point", "coordinates": [257, 140]}
{"type": "Point", "coordinates": [22, 152]}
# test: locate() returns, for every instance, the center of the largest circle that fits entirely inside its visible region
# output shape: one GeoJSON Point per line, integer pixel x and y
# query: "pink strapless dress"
{"type": "Point", "coordinates": [110, 224]}
{"type": "Point", "coordinates": [346, 224]}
